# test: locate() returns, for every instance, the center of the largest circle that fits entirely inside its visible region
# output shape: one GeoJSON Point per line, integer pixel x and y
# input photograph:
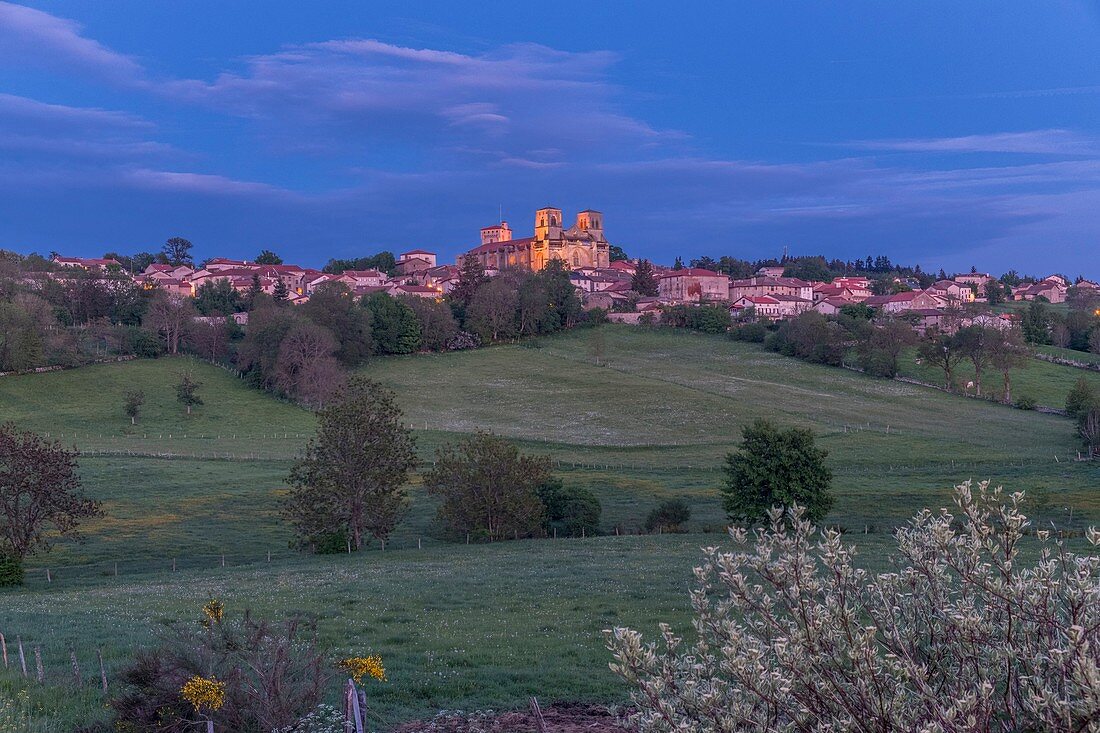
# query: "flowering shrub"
{"type": "Point", "coordinates": [213, 610]}
{"type": "Point", "coordinates": [245, 674]}
{"type": "Point", "coordinates": [204, 694]}
{"type": "Point", "coordinates": [963, 636]}
{"type": "Point", "coordinates": [359, 667]}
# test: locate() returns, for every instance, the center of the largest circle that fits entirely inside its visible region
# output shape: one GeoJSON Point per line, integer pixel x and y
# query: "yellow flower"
{"type": "Point", "coordinates": [204, 693]}
{"type": "Point", "coordinates": [359, 667]}
{"type": "Point", "coordinates": [213, 610]}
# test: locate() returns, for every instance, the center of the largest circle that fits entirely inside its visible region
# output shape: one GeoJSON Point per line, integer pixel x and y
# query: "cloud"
{"type": "Point", "coordinates": [33, 111]}
{"type": "Point", "coordinates": [202, 184]}
{"type": "Point", "coordinates": [43, 132]}
{"type": "Point", "coordinates": [360, 94]}
{"type": "Point", "coordinates": [400, 131]}
{"type": "Point", "coordinates": [33, 36]}
{"type": "Point", "coordinates": [1041, 142]}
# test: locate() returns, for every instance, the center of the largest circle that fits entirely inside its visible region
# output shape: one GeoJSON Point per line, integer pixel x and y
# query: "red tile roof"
{"type": "Point", "coordinates": [691, 272]}
{"type": "Point", "coordinates": [493, 246]}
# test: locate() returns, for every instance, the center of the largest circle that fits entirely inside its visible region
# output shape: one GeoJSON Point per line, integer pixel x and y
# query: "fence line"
{"type": "Point", "coordinates": [1090, 366]}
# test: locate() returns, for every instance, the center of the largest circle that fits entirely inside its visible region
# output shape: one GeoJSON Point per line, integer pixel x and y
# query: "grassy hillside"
{"type": "Point", "coordinates": [653, 419]}
{"type": "Point", "coordinates": [1043, 381]}
{"type": "Point", "coordinates": [1082, 356]}
{"type": "Point", "coordinates": [477, 626]}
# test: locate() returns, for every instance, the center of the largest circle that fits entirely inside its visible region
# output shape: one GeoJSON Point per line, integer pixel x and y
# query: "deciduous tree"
{"type": "Point", "coordinates": [1007, 352]}
{"type": "Point", "coordinates": [974, 343]}
{"type": "Point", "coordinates": [487, 487]}
{"type": "Point", "coordinates": [668, 516]}
{"type": "Point", "coordinates": [394, 327]}
{"type": "Point", "coordinates": [570, 511]}
{"type": "Point", "coordinates": [172, 317]}
{"type": "Point", "coordinates": [267, 257]}
{"type": "Point", "coordinates": [306, 368]}
{"type": "Point", "coordinates": [492, 311]}
{"type": "Point", "coordinates": [40, 493]}
{"type": "Point", "coordinates": [177, 251]}
{"type": "Point", "coordinates": [351, 479]}
{"type": "Point", "coordinates": [436, 319]}
{"type": "Point", "coordinates": [942, 351]}
{"type": "Point", "coordinates": [1082, 397]}
{"type": "Point", "coordinates": [218, 298]}
{"type": "Point", "coordinates": [776, 467]}
{"type": "Point", "coordinates": [187, 391]}
{"type": "Point", "coordinates": [333, 306]}
{"type": "Point", "coordinates": [134, 399]}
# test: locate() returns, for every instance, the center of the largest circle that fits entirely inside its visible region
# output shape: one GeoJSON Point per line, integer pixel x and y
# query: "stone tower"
{"type": "Point", "coordinates": [592, 222]}
{"type": "Point", "coordinates": [548, 223]}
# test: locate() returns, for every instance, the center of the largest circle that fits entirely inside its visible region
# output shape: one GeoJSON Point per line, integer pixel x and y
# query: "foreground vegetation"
{"type": "Point", "coordinates": [638, 416]}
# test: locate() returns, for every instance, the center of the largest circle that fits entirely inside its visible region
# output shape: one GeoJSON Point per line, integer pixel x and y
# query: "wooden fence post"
{"type": "Point", "coordinates": [76, 668]}
{"type": "Point", "coordinates": [353, 713]}
{"type": "Point", "coordinates": [4, 649]}
{"type": "Point", "coordinates": [102, 670]}
{"type": "Point", "coordinates": [38, 664]}
{"type": "Point", "coordinates": [22, 657]}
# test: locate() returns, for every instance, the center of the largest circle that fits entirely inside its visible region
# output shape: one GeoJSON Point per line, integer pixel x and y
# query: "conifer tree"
{"type": "Point", "coordinates": [644, 281]}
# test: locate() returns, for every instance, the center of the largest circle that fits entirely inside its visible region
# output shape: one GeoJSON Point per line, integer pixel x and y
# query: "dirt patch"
{"type": "Point", "coordinates": [557, 718]}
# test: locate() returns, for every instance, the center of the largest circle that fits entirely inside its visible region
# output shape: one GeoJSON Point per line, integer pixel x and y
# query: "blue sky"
{"type": "Point", "coordinates": [943, 133]}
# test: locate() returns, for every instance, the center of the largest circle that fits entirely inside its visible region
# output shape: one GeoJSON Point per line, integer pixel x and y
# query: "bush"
{"type": "Point", "coordinates": [959, 634]}
{"type": "Point", "coordinates": [668, 516]}
{"type": "Point", "coordinates": [572, 511]}
{"type": "Point", "coordinates": [1081, 398]}
{"type": "Point", "coordinates": [1026, 402]}
{"type": "Point", "coordinates": [751, 332]}
{"type": "Point", "coordinates": [143, 343]}
{"type": "Point", "coordinates": [328, 543]}
{"type": "Point", "coordinates": [11, 570]}
{"type": "Point", "coordinates": [463, 340]}
{"type": "Point", "coordinates": [273, 675]}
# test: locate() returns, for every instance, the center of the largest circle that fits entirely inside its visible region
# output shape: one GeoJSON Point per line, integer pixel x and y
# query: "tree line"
{"type": "Point", "coordinates": [302, 353]}
{"type": "Point", "coordinates": [343, 496]}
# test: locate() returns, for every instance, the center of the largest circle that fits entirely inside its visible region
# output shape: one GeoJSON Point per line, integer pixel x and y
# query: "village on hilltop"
{"type": "Point", "coordinates": [602, 280]}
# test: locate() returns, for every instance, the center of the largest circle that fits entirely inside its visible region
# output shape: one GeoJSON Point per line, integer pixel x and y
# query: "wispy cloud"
{"type": "Point", "coordinates": [358, 93]}
{"type": "Point", "coordinates": [36, 37]}
{"type": "Point", "coordinates": [202, 184]}
{"type": "Point", "coordinates": [33, 111]}
{"type": "Point", "coordinates": [1041, 142]}
{"type": "Point", "coordinates": [56, 132]}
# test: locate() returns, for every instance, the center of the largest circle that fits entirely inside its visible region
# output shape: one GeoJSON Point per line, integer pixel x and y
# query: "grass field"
{"type": "Point", "coordinates": [1047, 383]}
{"type": "Point", "coordinates": [1072, 354]}
{"type": "Point", "coordinates": [480, 626]}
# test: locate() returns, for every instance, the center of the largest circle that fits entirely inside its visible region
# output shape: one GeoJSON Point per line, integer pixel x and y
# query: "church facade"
{"type": "Point", "coordinates": [581, 245]}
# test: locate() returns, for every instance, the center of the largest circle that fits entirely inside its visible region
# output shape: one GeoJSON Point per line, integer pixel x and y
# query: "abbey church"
{"type": "Point", "coordinates": [581, 245]}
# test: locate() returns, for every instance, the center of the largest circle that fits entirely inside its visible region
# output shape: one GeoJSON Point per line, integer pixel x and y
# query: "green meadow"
{"type": "Point", "coordinates": [636, 415]}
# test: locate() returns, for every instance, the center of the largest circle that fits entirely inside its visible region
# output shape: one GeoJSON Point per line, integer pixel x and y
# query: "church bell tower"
{"type": "Point", "coordinates": [548, 223]}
